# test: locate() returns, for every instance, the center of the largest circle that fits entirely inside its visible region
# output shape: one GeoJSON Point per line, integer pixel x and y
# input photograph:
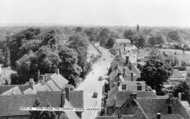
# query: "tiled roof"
{"type": "Point", "coordinates": [152, 106]}
{"type": "Point", "coordinates": [121, 98]}
{"type": "Point", "coordinates": [112, 96]}
{"type": "Point", "coordinates": [76, 99]}
{"type": "Point", "coordinates": [13, 91]}
{"type": "Point", "coordinates": [10, 105]}
{"type": "Point", "coordinates": [56, 82]}
{"type": "Point", "coordinates": [4, 88]}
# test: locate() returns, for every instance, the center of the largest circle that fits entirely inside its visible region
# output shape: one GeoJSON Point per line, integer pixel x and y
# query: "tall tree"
{"type": "Point", "coordinates": [155, 72]}
{"type": "Point", "coordinates": [68, 66]}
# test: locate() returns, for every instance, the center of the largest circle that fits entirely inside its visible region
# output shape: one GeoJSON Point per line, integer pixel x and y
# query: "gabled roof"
{"type": "Point", "coordinates": [4, 88]}
{"type": "Point", "coordinates": [13, 91]}
{"type": "Point", "coordinates": [10, 105]}
{"type": "Point", "coordinates": [121, 98]}
{"type": "Point", "coordinates": [55, 82]}
{"type": "Point", "coordinates": [152, 106]}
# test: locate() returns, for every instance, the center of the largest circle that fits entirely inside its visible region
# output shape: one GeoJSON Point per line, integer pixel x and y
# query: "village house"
{"type": "Point", "coordinates": [149, 107]}
{"type": "Point", "coordinates": [125, 48]}
{"type": "Point", "coordinates": [132, 86]}
{"type": "Point", "coordinates": [48, 84]}
{"type": "Point", "coordinates": [10, 105]}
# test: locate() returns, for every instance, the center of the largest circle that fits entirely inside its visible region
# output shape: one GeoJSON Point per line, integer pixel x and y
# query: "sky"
{"type": "Point", "coordinates": [95, 12]}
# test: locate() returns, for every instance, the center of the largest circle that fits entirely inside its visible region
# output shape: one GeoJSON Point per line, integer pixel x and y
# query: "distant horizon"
{"type": "Point", "coordinates": [151, 13]}
{"type": "Point", "coordinates": [91, 25]}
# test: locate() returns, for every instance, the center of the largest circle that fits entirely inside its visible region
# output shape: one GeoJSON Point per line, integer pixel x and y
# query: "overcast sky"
{"type": "Point", "coordinates": [95, 12]}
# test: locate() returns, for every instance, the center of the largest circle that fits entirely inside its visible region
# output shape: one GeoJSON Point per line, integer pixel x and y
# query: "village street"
{"type": "Point", "coordinates": [91, 84]}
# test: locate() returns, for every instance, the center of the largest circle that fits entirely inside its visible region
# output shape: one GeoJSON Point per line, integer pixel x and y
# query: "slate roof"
{"type": "Point", "coordinates": [121, 98]}
{"type": "Point", "coordinates": [76, 99]}
{"type": "Point", "coordinates": [13, 91]}
{"type": "Point", "coordinates": [112, 96]}
{"type": "Point", "coordinates": [10, 105]}
{"type": "Point", "coordinates": [151, 106]}
{"type": "Point", "coordinates": [4, 88]}
{"type": "Point", "coordinates": [55, 82]}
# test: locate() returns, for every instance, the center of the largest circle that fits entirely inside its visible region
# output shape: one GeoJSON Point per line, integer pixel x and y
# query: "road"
{"type": "Point", "coordinates": [91, 84]}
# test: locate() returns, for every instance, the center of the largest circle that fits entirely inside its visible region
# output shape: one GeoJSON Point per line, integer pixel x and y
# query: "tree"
{"type": "Point", "coordinates": [79, 43]}
{"type": "Point", "coordinates": [68, 66]}
{"type": "Point", "coordinates": [17, 42]}
{"type": "Point", "coordinates": [135, 37]}
{"type": "Point", "coordinates": [128, 34]}
{"type": "Point", "coordinates": [174, 35]}
{"type": "Point", "coordinates": [138, 40]}
{"type": "Point", "coordinates": [23, 67]}
{"type": "Point", "coordinates": [182, 88]}
{"type": "Point", "coordinates": [155, 72]}
{"type": "Point", "coordinates": [48, 59]}
{"type": "Point", "coordinates": [92, 34]}
{"type": "Point", "coordinates": [156, 40]}
{"type": "Point", "coordinates": [110, 43]}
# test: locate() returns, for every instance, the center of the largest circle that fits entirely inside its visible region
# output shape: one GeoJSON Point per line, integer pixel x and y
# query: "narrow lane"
{"type": "Point", "coordinates": [91, 84]}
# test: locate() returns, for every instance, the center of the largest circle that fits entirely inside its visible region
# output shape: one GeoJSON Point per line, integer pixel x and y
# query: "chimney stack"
{"type": "Point", "coordinates": [57, 71]}
{"type": "Point", "coordinates": [67, 93]}
{"type": "Point", "coordinates": [62, 98]}
{"type": "Point", "coordinates": [179, 96]}
{"type": "Point", "coordinates": [38, 75]}
{"type": "Point", "coordinates": [31, 82]}
{"type": "Point", "coordinates": [131, 76]}
{"type": "Point", "coordinates": [127, 59]}
{"type": "Point", "coordinates": [158, 116]}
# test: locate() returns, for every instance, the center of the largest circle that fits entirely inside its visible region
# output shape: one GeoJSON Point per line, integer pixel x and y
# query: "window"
{"type": "Point", "coordinates": [139, 86]}
{"type": "Point", "coordinates": [124, 87]}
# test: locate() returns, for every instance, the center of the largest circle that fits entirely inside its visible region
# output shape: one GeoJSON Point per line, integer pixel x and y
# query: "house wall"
{"type": "Point", "coordinates": [132, 86]}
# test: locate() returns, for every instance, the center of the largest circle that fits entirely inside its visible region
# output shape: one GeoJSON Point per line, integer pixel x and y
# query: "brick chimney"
{"type": "Point", "coordinates": [62, 98]}
{"type": "Point", "coordinates": [67, 93]}
{"type": "Point", "coordinates": [38, 75]}
{"type": "Point", "coordinates": [179, 96]}
{"type": "Point", "coordinates": [158, 116]}
{"type": "Point", "coordinates": [57, 71]}
{"type": "Point", "coordinates": [127, 59]}
{"type": "Point", "coordinates": [131, 76]}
